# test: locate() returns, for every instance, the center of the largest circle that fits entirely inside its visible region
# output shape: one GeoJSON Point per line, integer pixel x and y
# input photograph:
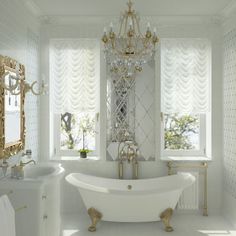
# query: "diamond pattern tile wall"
{"type": "Point", "coordinates": [130, 107]}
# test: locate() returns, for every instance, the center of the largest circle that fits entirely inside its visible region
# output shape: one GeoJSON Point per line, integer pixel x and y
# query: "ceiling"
{"type": "Point", "coordinates": [145, 7]}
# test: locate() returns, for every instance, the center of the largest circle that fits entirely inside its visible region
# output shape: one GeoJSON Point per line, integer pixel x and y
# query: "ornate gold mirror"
{"type": "Point", "coordinates": [12, 116]}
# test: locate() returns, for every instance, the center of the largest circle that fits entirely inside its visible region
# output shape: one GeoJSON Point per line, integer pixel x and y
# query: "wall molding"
{"type": "Point", "coordinates": [32, 7]}
{"type": "Point", "coordinates": [228, 24]}
{"type": "Point", "coordinates": [161, 21]}
{"type": "Point", "coordinates": [229, 10]}
{"type": "Point", "coordinates": [164, 20]}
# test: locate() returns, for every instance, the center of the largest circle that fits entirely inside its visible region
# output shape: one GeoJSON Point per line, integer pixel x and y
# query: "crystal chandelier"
{"type": "Point", "coordinates": [128, 50]}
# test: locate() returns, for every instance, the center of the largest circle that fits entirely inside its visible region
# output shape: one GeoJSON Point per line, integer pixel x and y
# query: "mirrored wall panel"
{"type": "Point", "coordinates": [131, 113]}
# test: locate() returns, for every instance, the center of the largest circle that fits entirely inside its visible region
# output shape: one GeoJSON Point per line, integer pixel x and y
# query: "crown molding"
{"type": "Point", "coordinates": [33, 7]}
{"type": "Point", "coordinates": [229, 10]}
{"type": "Point", "coordinates": [228, 17]}
{"type": "Point", "coordinates": [155, 20]}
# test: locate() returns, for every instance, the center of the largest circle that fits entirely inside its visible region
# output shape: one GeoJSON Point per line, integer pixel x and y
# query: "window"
{"type": "Point", "coordinates": [77, 131]}
{"type": "Point", "coordinates": [185, 96]}
{"type": "Point", "coordinates": [74, 75]}
{"type": "Point", "coordinates": [184, 134]}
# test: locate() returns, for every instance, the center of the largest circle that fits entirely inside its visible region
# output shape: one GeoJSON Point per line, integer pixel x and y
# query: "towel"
{"type": "Point", "coordinates": [7, 217]}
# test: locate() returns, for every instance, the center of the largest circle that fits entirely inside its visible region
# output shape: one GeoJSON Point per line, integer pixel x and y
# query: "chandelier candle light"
{"type": "Point", "coordinates": [128, 50]}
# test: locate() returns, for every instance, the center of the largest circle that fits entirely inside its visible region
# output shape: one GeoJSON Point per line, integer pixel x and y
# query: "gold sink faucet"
{"type": "Point", "coordinates": [26, 163]}
{"type": "Point", "coordinates": [17, 171]}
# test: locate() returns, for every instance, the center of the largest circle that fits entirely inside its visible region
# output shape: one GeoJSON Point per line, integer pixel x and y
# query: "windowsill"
{"type": "Point", "coordinates": [186, 158]}
{"type": "Point", "coordinates": [74, 158]}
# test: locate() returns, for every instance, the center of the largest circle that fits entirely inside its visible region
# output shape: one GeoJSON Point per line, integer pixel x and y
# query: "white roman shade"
{"type": "Point", "coordinates": [74, 75]}
{"type": "Point", "coordinates": [185, 75]}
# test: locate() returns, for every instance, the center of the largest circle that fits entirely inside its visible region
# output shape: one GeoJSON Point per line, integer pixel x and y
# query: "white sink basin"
{"type": "Point", "coordinates": [34, 176]}
{"type": "Point", "coordinates": [42, 171]}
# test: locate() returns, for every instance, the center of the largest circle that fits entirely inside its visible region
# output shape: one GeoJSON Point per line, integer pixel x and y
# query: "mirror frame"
{"type": "Point", "coordinates": [10, 149]}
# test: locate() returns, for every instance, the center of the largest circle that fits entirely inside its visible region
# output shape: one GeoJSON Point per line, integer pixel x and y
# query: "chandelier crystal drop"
{"type": "Point", "coordinates": [127, 51]}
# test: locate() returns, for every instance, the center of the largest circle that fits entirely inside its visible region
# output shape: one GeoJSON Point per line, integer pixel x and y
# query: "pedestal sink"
{"type": "Point", "coordinates": [42, 171]}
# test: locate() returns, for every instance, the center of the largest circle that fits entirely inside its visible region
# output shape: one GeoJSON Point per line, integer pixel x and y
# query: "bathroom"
{"type": "Point", "coordinates": [62, 51]}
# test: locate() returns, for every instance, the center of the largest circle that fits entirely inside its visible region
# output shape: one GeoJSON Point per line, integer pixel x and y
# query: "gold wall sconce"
{"type": "Point", "coordinates": [13, 79]}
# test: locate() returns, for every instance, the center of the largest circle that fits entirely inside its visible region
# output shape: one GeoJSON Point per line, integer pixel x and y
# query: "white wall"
{"type": "Point", "coordinates": [229, 73]}
{"type": "Point", "coordinates": [71, 202]}
{"type": "Point", "coordinates": [19, 39]}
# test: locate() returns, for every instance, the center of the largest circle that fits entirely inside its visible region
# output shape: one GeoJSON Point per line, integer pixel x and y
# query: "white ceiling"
{"type": "Point", "coordinates": [145, 7]}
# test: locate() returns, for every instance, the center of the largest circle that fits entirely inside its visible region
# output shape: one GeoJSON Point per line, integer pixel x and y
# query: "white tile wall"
{"type": "Point", "coordinates": [229, 55]}
{"type": "Point", "coordinates": [19, 40]}
{"type": "Point", "coordinates": [32, 102]}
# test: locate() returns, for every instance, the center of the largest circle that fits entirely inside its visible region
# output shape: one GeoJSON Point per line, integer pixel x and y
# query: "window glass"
{"type": "Point", "coordinates": [181, 132]}
{"type": "Point", "coordinates": [77, 131]}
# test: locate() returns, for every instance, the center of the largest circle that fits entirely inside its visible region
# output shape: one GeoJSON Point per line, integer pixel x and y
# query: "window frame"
{"type": "Point", "coordinates": [55, 119]}
{"type": "Point", "coordinates": [202, 141]}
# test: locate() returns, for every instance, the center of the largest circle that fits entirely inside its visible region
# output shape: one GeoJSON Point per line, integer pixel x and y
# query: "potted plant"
{"type": "Point", "coordinates": [83, 153]}
{"type": "Point", "coordinates": [86, 126]}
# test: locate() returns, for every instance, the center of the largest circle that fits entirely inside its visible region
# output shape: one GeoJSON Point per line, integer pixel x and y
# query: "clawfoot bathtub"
{"type": "Point", "coordinates": [140, 200]}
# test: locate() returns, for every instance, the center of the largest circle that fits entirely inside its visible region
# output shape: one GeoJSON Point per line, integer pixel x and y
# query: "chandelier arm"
{"type": "Point", "coordinates": [130, 4]}
{"type": "Point", "coordinates": [136, 45]}
{"type": "Point", "coordinates": [134, 24]}
{"type": "Point", "coordinates": [121, 26]}
{"type": "Point", "coordinates": [138, 26]}
{"type": "Point", "coordinates": [126, 23]}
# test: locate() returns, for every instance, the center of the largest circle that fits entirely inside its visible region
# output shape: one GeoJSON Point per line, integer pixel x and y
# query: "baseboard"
{"type": "Point", "coordinates": [229, 208]}
{"type": "Point", "coordinates": [198, 212]}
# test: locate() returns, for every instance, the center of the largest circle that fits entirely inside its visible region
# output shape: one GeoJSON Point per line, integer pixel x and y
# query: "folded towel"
{"type": "Point", "coordinates": [7, 217]}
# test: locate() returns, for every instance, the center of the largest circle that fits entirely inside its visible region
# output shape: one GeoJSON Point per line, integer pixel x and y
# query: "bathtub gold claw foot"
{"type": "Point", "coordinates": [165, 217]}
{"type": "Point", "coordinates": [95, 217]}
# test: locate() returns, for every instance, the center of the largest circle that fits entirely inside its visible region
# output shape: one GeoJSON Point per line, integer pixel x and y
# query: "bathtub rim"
{"type": "Point", "coordinates": [187, 180]}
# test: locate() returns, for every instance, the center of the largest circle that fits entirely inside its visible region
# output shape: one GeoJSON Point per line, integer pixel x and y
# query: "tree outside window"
{"type": "Point", "coordinates": [77, 131]}
{"type": "Point", "coordinates": [181, 132]}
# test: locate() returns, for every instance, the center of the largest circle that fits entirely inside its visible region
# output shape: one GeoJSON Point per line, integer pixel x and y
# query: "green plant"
{"type": "Point", "coordinates": [86, 126]}
{"type": "Point", "coordinates": [85, 150]}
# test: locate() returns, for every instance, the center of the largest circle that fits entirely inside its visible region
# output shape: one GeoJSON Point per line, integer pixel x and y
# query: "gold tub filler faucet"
{"type": "Point", "coordinates": [128, 151]}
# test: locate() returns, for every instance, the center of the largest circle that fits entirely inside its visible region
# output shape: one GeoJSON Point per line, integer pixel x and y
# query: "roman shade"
{"type": "Point", "coordinates": [185, 75]}
{"type": "Point", "coordinates": [74, 75]}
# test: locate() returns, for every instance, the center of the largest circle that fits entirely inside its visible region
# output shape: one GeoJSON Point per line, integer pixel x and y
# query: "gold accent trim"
{"type": "Point", "coordinates": [205, 208]}
{"type": "Point", "coordinates": [20, 208]}
{"type": "Point", "coordinates": [10, 149]}
{"type": "Point", "coordinates": [169, 166]}
{"type": "Point", "coordinates": [165, 217]}
{"type": "Point", "coordinates": [204, 165]}
{"type": "Point", "coordinates": [95, 217]}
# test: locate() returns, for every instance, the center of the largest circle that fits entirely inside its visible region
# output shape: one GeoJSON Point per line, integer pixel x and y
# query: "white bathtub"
{"type": "Point", "coordinates": [144, 202]}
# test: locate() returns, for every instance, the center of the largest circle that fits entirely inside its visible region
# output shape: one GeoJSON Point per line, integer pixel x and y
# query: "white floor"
{"type": "Point", "coordinates": [184, 225]}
